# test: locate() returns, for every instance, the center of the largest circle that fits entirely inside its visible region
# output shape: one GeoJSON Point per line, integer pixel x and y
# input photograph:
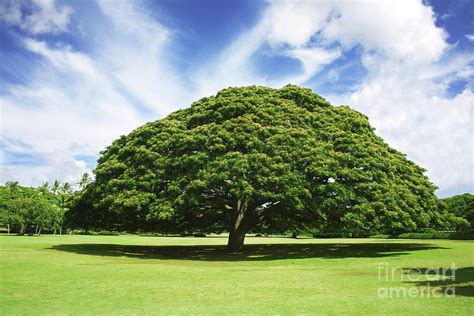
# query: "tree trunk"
{"type": "Point", "coordinates": [8, 229]}
{"type": "Point", "coordinates": [236, 240]}
{"type": "Point", "coordinates": [294, 235]}
{"type": "Point", "coordinates": [39, 231]}
{"type": "Point", "coordinates": [239, 226]}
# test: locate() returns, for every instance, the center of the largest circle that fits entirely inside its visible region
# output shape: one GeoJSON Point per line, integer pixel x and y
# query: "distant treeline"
{"type": "Point", "coordinates": [28, 210]}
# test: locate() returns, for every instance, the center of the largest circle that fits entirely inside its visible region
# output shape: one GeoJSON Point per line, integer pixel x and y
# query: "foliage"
{"type": "Point", "coordinates": [380, 236]}
{"type": "Point", "coordinates": [28, 210]}
{"type": "Point", "coordinates": [259, 159]}
{"type": "Point", "coordinates": [461, 205]}
{"type": "Point", "coordinates": [432, 234]}
{"type": "Point", "coordinates": [429, 235]}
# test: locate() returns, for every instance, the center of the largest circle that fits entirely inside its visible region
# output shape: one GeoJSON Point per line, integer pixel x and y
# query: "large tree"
{"type": "Point", "coordinates": [257, 158]}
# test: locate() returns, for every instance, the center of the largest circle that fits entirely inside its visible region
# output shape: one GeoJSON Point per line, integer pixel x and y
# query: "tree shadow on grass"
{"type": "Point", "coordinates": [253, 252]}
{"type": "Point", "coordinates": [443, 279]}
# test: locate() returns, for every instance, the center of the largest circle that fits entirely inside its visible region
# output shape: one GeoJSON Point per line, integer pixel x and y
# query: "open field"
{"type": "Point", "coordinates": [167, 275]}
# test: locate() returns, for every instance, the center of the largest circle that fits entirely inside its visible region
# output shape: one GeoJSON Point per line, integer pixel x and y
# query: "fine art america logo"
{"type": "Point", "coordinates": [416, 282]}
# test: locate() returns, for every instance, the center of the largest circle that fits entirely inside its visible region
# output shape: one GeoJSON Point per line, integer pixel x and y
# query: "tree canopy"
{"type": "Point", "coordinates": [258, 159]}
{"type": "Point", "coordinates": [28, 210]}
{"type": "Point", "coordinates": [461, 205]}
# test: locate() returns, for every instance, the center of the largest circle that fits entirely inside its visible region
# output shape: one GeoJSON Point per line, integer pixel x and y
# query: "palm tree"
{"type": "Point", "coordinates": [12, 185]}
{"type": "Point", "coordinates": [64, 194]}
{"type": "Point", "coordinates": [85, 180]}
{"type": "Point", "coordinates": [55, 187]}
{"type": "Point", "coordinates": [65, 188]}
{"type": "Point", "coordinates": [44, 187]}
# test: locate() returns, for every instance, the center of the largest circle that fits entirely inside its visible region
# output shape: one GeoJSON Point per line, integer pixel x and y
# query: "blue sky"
{"type": "Point", "coordinates": [75, 75]}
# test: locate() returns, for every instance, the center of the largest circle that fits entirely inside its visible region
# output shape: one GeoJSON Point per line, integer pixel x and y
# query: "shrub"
{"type": "Point", "coordinates": [430, 235]}
{"type": "Point", "coordinates": [380, 236]}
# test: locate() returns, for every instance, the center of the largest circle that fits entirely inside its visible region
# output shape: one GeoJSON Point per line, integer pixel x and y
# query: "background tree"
{"type": "Point", "coordinates": [33, 210]}
{"type": "Point", "coordinates": [9, 215]}
{"type": "Point", "coordinates": [84, 180]}
{"type": "Point", "coordinates": [44, 187]}
{"type": "Point", "coordinates": [64, 196]}
{"type": "Point", "coordinates": [29, 210]}
{"type": "Point", "coordinates": [55, 187]}
{"type": "Point", "coordinates": [256, 158]}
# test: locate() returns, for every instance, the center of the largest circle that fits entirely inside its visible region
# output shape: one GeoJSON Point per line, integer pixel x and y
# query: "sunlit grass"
{"type": "Point", "coordinates": [171, 275]}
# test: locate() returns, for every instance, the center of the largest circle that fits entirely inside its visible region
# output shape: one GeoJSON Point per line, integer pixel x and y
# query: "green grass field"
{"type": "Point", "coordinates": [167, 275]}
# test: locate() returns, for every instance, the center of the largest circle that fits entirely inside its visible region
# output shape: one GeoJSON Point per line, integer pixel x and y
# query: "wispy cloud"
{"type": "Point", "coordinates": [138, 57]}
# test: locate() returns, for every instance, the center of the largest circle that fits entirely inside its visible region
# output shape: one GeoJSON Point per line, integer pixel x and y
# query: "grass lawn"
{"type": "Point", "coordinates": [167, 275]}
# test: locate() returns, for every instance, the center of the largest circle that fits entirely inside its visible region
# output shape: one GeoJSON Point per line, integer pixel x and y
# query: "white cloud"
{"type": "Point", "coordinates": [470, 37]}
{"type": "Point", "coordinates": [294, 23]}
{"type": "Point", "coordinates": [36, 16]}
{"type": "Point", "coordinates": [56, 165]}
{"type": "Point", "coordinates": [404, 30]}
